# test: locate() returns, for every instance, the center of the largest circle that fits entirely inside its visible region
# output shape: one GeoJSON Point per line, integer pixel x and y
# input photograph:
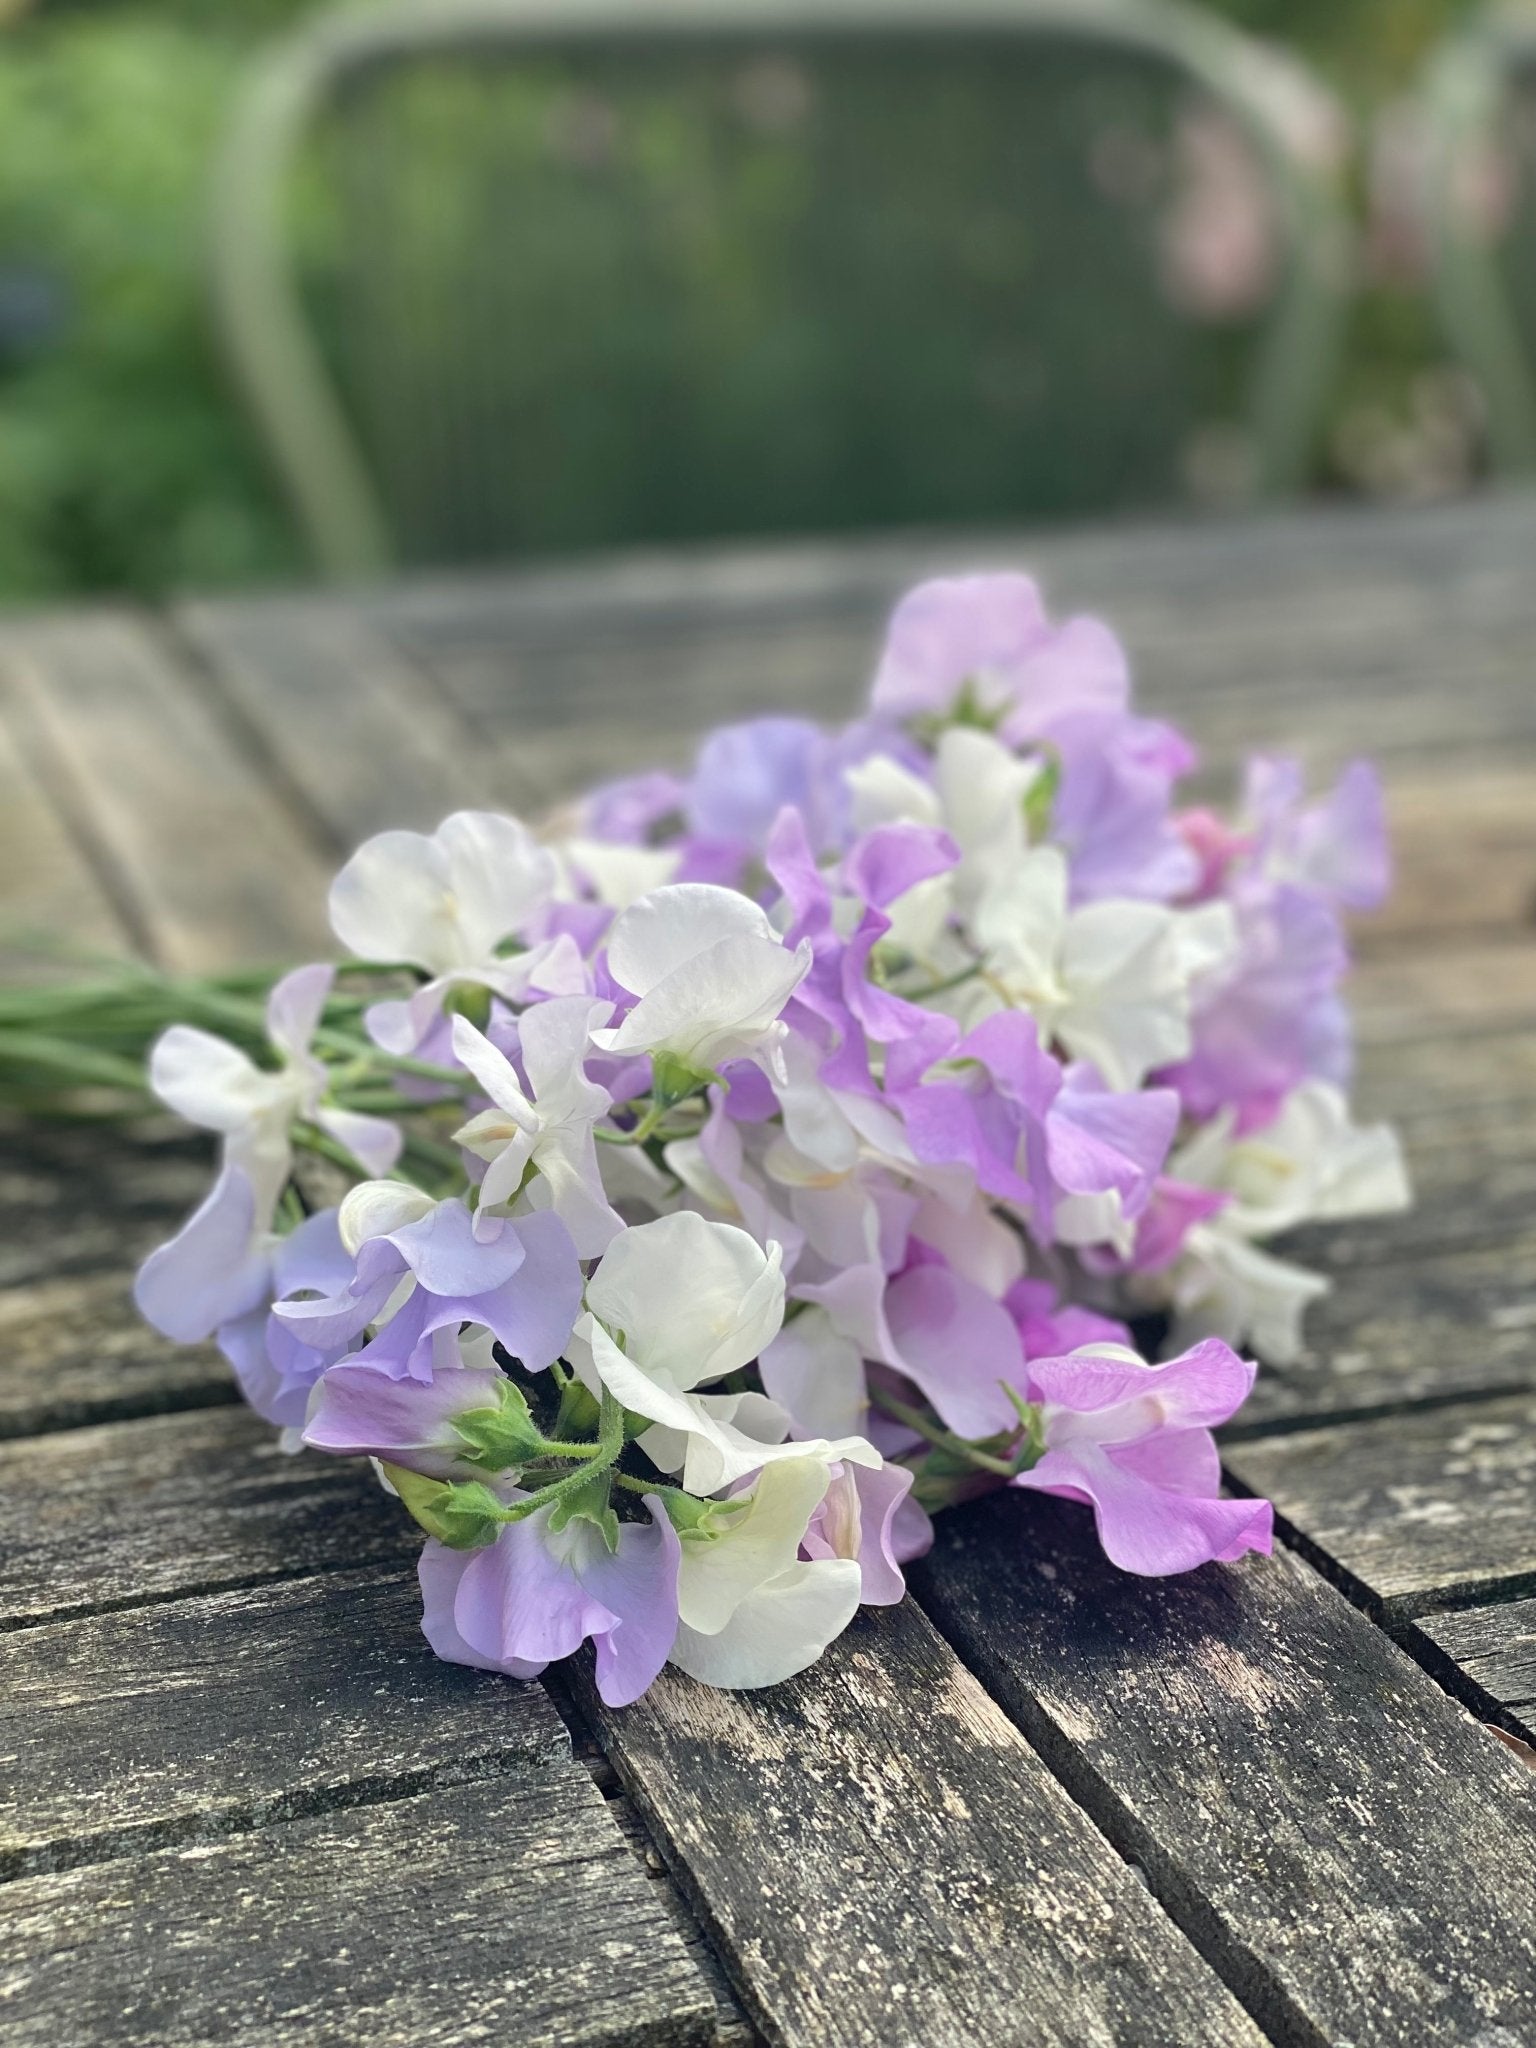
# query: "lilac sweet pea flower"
{"type": "Point", "coordinates": [992, 633]}
{"type": "Point", "coordinates": [217, 1267]}
{"type": "Point", "coordinates": [359, 1412]}
{"type": "Point", "coordinates": [1134, 1442]}
{"type": "Point", "coordinates": [1337, 847]}
{"type": "Point", "coordinates": [422, 1270]}
{"type": "Point", "coordinates": [870, 1516]}
{"type": "Point", "coordinates": [537, 1593]}
{"type": "Point", "coordinates": [275, 1367]}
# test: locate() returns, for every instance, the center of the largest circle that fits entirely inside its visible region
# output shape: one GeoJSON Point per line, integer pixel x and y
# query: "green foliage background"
{"type": "Point", "coordinates": [124, 462]}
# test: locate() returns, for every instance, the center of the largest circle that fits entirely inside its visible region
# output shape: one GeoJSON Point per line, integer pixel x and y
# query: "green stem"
{"type": "Point", "coordinates": [942, 1439]}
{"type": "Point", "coordinates": [595, 1459]}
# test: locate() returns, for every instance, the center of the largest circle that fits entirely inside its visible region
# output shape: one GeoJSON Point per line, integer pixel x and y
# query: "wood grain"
{"type": "Point", "coordinates": [506, 1911]}
{"type": "Point", "coordinates": [1357, 1855]}
{"type": "Point", "coordinates": [211, 867]}
{"type": "Point", "coordinates": [74, 1350]}
{"type": "Point", "coordinates": [209, 1716]}
{"type": "Point", "coordinates": [1495, 1646]}
{"type": "Point", "coordinates": [1428, 1328]}
{"type": "Point", "coordinates": [1417, 1508]}
{"type": "Point", "coordinates": [53, 911]}
{"type": "Point", "coordinates": [885, 1863]}
{"type": "Point", "coordinates": [347, 720]}
{"type": "Point", "coordinates": [95, 1519]}
{"type": "Point", "coordinates": [80, 1199]}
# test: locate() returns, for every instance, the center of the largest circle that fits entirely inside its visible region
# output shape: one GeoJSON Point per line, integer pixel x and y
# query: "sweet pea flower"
{"type": "Point", "coordinates": [989, 636]}
{"type": "Point", "coordinates": [448, 903]}
{"type": "Point", "coordinates": [1113, 982]}
{"type": "Point", "coordinates": [751, 1610]}
{"type": "Point", "coordinates": [357, 1411]}
{"type": "Point", "coordinates": [547, 1133]}
{"type": "Point", "coordinates": [673, 1305]}
{"type": "Point", "coordinates": [215, 1085]}
{"type": "Point", "coordinates": [1336, 848]}
{"type": "Point", "coordinates": [711, 977]}
{"type": "Point", "coordinates": [216, 1269]}
{"type": "Point", "coordinates": [1134, 1441]}
{"type": "Point", "coordinates": [1310, 1164]}
{"type": "Point", "coordinates": [275, 1368]}
{"type": "Point", "coordinates": [422, 1269]}
{"type": "Point", "coordinates": [549, 1583]}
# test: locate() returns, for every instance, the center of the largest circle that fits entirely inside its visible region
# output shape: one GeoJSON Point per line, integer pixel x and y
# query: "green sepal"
{"type": "Point", "coordinates": [701, 1519]}
{"type": "Point", "coordinates": [500, 1438]}
{"type": "Point", "coordinates": [579, 1412]}
{"type": "Point", "coordinates": [463, 1515]}
{"type": "Point", "coordinates": [673, 1080]}
{"type": "Point", "coordinates": [1040, 798]}
{"type": "Point", "coordinates": [469, 1000]}
{"type": "Point", "coordinates": [1031, 1447]}
{"type": "Point", "coordinates": [589, 1503]}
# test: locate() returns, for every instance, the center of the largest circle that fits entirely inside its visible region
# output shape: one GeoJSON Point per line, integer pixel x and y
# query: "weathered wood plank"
{"type": "Point", "coordinates": [76, 1198]}
{"type": "Point", "coordinates": [507, 1911]}
{"type": "Point", "coordinates": [1427, 1329]}
{"type": "Point", "coordinates": [1495, 1646]}
{"type": "Point", "coordinates": [95, 1519]}
{"type": "Point", "coordinates": [52, 908]}
{"type": "Point", "coordinates": [349, 721]}
{"type": "Point", "coordinates": [1486, 985]}
{"type": "Point", "coordinates": [204, 1717]}
{"type": "Point", "coordinates": [884, 1861]}
{"type": "Point", "coordinates": [1416, 1508]}
{"type": "Point", "coordinates": [209, 864]}
{"type": "Point", "coordinates": [73, 1350]}
{"type": "Point", "coordinates": [1356, 1854]}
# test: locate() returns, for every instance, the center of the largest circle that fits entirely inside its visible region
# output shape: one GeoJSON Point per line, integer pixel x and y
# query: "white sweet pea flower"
{"type": "Point", "coordinates": [711, 973]}
{"type": "Point", "coordinates": [1311, 1164]}
{"type": "Point", "coordinates": [673, 1305]}
{"type": "Point", "coordinates": [1113, 981]}
{"type": "Point", "coordinates": [751, 1611]}
{"type": "Point", "coordinates": [549, 1132]}
{"type": "Point", "coordinates": [616, 873]}
{"type": "Point", "coordinates": [447, 903]}
{"type": "Point", "coordinates": [977, 796]}
{"type": "Point", "coordinates": [213, 1084]}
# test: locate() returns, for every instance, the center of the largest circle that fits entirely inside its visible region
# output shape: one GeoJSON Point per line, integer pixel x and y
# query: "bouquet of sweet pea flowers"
{"type": "Point", "coordinates": [735, 1171]}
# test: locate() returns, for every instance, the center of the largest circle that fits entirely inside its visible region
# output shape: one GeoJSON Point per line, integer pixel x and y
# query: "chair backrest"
{"type": "Point", "coordinates": [498, 275]}
{"type": "Point", "coordinates": [1479, 111]}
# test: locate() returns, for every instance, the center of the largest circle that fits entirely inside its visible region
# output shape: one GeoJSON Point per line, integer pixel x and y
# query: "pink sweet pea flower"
{"type": "Point", "coordinates": [1134, 1442]}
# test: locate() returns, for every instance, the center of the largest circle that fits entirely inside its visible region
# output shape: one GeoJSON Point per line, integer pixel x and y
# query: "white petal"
{"type": "Point", "coordinates": [694, 1299]}
{"type": "Point", "coordinates": [672, 926]}
{"type": "Point", "coordinates": [376, 1208]}
{"type": "Point", "coordinates": [782, 1629]}
{"type": "Point", "coordinates": [762, 1540]}
{"type": "Point", "coordinates": [499, 874]}
{"type": "Point", "coordinates": [619, 875]}
{"type": "Point", "coordinates": [209, 1081]}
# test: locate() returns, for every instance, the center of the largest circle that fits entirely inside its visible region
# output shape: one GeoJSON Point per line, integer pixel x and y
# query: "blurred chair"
{"type": "Point", "coordinates": [1479, 110]}
{"type": "Point", "coordinates": [503, 275]}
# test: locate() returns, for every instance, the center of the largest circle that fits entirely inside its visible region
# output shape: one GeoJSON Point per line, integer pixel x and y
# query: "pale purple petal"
{"type": "Point", "coordinates": [213, 1270]}
{"type": "Point", "coordinates": [956, 1344]}
{"type": "Point", "coordinates": [639, 1587]}
{"type": "Point", "coordinates": [358, 1412]}
{"type": "Point", "coordinates": [441, 1572]}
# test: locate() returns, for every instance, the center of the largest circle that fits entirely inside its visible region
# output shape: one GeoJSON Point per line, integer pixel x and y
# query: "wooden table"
{"type": "Point", "coordinates": [1039, 1802]}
